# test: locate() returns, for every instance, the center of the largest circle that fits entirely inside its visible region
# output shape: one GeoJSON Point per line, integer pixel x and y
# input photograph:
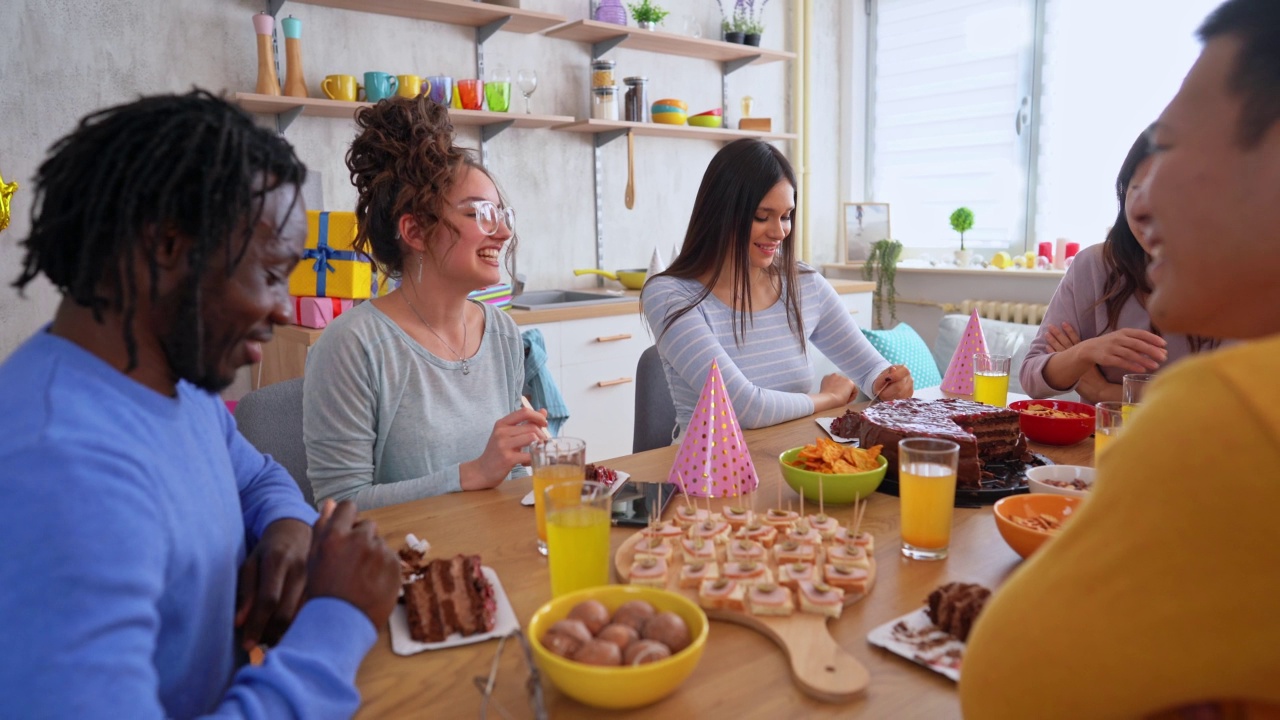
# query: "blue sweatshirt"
{"type": "Point", "coordinates": [125, 517]}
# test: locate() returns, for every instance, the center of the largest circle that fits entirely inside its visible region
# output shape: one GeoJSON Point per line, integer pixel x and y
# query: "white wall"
{"type": "Point", "coordinates": [93, 53]}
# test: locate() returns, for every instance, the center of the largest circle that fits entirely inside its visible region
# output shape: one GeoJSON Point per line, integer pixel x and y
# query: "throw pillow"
{"type": "Point", "coordinates": [903, 346]}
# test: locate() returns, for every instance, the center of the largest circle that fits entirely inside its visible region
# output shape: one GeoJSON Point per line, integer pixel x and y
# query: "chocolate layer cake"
{"type": "Point", "coordinates": [954, 607]}
{"type": "Point", "coordinates": [985, 434]}
{"type": "Point", "coordinates": [451, 596]}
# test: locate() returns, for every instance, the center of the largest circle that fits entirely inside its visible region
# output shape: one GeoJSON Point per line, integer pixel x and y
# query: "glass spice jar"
{"type": "Point", "coordinates": [602, 73]}
{"type": "Point", "coordinates": [604, 103]}
{"type": "Point", "coordinates": [636, 102]}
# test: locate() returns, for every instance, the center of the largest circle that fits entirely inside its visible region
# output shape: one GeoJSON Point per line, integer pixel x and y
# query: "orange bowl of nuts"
{"type": "Point", "coordinates": [1027, 521]}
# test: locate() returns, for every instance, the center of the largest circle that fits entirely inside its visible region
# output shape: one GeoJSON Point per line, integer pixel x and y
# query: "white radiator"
{"type": "Point", "coordinates": [1022, 313]}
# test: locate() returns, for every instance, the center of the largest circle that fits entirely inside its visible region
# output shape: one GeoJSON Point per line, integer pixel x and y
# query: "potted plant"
{"type": "Point", "coordinates": [882, 264]}
{"type": "Point", "coordinates": [961, 222]}
{"type": "Point", "coordinates": [647, 15]}
{"type": "Point", "coordinates": [734, 25]}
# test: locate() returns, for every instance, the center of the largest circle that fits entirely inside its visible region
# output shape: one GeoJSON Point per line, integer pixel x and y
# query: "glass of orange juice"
{"type": "Point", "coordinates": [927, 491]}
{"type": "Point", "coordinates": [991, 379]}
{"type": "Point", "coordinates": [577, 535]}
{"type": "Point", "coordinates": [554, 460]}
{"type": "Point", "coordinates": [1110, 418]}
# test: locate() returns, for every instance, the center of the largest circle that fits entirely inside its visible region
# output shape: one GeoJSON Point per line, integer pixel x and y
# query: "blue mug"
{"type": "Point", "coordinates": [441, 89]}
{"type": "Point", "coordinates": [379, 86]}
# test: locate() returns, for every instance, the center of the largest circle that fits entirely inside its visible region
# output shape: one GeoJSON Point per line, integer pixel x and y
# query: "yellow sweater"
{"type": "Point", "coordinates": [1164, 590]}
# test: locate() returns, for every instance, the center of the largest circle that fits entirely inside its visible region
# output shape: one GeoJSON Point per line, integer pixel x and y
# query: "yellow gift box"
{"type": "Point", "coordinates": [330, 266]}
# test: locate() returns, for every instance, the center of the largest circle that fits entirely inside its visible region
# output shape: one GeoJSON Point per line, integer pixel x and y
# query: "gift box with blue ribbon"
{"type": "Point", "coordinates": [330, 266]}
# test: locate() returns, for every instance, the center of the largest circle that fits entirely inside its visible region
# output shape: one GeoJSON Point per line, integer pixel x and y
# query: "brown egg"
{"type": "Point", "coordinates": [598, 652]}
{"type": "Point", "coordinates": [669, 629]}
{"type": "Point", "coordinates": [592, 613]}
{"type": "Point", "coordinates": [561, 645]}
{"type": "Point", "coordinates": [645, 651]}
{"type": "Point", "coordinates": [634, 613]}
{"type": "Point", "coordinates": [575, 629]}
{"type": "Point", "coordinates": [618, 634]}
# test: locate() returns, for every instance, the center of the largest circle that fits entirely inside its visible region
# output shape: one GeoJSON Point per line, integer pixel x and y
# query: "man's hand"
{"type": "Point", "coordinates": [350, 562]}
{"type": "Point", "coordinates": [271, 582]}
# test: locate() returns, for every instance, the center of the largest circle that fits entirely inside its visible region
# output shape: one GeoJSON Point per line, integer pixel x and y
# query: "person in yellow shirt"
{"type": "Point", "coordinates": [1160, 597]}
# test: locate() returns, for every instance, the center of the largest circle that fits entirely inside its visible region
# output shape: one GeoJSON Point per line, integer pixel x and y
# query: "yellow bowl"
{"type": "Point", "coordinates": [1025, 540]}
{"type": "Point", "coordinates": [711, 121]}
{"type": "Point", "coordinates": [669, 118]}
{"type": "Point", "coordinates": [618, 688]}
{"type": "Point", "coordinates": [836, 487]}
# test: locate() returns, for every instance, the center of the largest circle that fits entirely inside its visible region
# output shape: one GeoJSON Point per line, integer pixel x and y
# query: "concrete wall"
{"type": "Point", "coordinates": [63, 59]}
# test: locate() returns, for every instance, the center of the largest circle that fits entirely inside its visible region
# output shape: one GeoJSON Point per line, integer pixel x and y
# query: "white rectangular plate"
{"type": "Point", "coordinates": [825, 424]}
{"type": "Point", "coordinates": [943, 658]}
{"type": "Point", "coordinates": [527, 500]}
{"type": "Point", "coordinates": [402, 643]}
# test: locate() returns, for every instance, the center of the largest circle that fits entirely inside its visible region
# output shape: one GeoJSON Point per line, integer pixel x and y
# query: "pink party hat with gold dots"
{"type": "Point", "coordinates": [713, 460]}
{"type": "Point", "coordinates": [959, 377]}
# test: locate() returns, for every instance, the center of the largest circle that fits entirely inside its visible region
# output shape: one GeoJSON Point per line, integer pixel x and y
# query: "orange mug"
{"type": "Point", "coordinates": [340, 87]}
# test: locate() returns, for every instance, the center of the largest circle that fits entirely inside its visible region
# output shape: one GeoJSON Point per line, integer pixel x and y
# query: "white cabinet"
{"type": "Point", "coordinates": [859, 307]}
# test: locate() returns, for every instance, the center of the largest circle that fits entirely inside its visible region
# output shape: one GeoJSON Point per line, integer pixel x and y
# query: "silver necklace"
{"type": "Point", "coordinates": [466, 365]}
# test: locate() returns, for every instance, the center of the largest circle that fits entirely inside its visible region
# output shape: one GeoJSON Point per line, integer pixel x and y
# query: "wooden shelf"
{"type": "Point", "coordinates": [670, 131]}
{"type": "Point", "coordinates": [453, 12]}
{"type": "Point", "coordinates": [323, 107]}
{"type": "Point", "coordinates": [591, 31]}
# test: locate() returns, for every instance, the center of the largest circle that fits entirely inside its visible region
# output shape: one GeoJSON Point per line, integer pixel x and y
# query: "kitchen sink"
{"type": "Point", "coordinates": [543, 299]}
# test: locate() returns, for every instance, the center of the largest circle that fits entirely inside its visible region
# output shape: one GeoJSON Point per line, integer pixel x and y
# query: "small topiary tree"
{"type": "Point", "coordinates": [962, 222]}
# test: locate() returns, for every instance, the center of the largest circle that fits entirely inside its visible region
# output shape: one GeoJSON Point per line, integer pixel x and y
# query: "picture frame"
{"type": "Point", "coordinates": [865, 223]}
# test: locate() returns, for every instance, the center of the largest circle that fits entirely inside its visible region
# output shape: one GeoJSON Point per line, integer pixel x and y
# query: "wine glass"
{"type": "Point", "coordinates": [528, 82]}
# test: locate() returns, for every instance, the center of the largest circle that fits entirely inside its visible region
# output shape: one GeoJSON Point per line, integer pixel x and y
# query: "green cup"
{"type": "Point", "coordinates": [498, 95]}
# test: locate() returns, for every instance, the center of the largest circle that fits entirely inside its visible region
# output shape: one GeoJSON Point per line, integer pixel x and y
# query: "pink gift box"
{"type": "Point", "coordinates": [317, 312]}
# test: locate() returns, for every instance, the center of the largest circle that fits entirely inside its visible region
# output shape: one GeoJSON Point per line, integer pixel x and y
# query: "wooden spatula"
{"type": "Point", "coordinates": [630, 197]}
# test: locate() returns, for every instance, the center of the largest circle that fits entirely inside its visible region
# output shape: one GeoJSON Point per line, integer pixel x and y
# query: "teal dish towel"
{"type": "Point", "coordinates": [539, 385]}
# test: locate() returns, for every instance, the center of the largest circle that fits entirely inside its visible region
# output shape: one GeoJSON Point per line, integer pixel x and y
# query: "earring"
{"type": "Point", "coordinates": [419, 269]}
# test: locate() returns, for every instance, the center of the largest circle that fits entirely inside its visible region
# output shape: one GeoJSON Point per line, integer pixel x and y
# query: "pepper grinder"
{"type": "Point", "coordinates": [268, 81]}
{"type": "Point", "coordinates": [294, 84]}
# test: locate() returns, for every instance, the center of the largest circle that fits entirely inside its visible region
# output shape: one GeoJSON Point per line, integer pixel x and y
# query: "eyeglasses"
{"type": "Point", "coordinates": [533, 685]}
{"type": "Point", "coordinates": [489, 216]}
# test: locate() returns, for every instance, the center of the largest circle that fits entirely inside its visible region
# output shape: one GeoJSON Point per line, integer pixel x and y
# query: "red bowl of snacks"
{"type": "Point", "coordinates": [1054, 422]}
{"type": "Point", "coordinates": [1027, 521]}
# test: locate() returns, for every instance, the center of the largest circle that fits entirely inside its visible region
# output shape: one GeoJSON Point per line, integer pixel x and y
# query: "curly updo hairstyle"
{"type": "Point", "coordinates": [404, 160]}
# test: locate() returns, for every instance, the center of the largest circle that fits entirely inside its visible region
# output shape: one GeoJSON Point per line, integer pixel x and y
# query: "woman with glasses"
{"type": "Point", "coordinates": [417, 393]}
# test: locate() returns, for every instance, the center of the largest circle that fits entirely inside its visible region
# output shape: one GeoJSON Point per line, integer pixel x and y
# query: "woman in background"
{"type": "Point", "coordinates": [417, 392]}
{"type": "Point", "coordinates": [1096, 329]}
{"type": "Point", "coordinates": [737, 295]}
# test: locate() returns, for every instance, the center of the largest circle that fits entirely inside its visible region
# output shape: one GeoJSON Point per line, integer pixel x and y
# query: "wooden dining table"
{"type": "Point", "coordinates": [742, 673]}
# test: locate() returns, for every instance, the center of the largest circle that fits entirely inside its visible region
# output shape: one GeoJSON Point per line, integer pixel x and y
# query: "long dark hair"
{"type": "Point", "coordinates": [1122, 254]}
{"type": "Point", "coordinates": [192, 162]}
{"type": "Point", "coordinates": [735, 183]}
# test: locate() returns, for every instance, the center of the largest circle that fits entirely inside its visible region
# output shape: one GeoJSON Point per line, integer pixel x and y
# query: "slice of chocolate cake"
{"type": "Point", "coordinates": [451, 596]}
{"type": "Point", "coordinates": [954, 607]}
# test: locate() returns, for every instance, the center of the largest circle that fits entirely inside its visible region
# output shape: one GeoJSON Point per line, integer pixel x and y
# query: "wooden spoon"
{"type": "Point", "coordinates": [630, 197]}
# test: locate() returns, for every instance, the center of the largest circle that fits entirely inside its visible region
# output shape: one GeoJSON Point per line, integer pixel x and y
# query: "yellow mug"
{"type": "Point", "coordinates": [411, 86]}
{"type": "Point", "coordinates": [340, 87]}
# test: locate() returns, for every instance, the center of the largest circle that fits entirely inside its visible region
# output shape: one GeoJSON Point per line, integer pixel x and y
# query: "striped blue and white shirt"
{"type": "Point", "coordinates": [768, 376]}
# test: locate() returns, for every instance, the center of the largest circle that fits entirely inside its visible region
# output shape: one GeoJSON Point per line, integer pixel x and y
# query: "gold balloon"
{"type": "Point", "coordinates": [6, 192]}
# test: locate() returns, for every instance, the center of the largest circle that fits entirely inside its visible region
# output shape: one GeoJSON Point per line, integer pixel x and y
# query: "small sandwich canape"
{"type": "Point", "coordinates": [792, 574]}
{"type": "Point", "coordinates": [781, 519]}
{"type": "Point", "coordinates": [710, 529]}
{"type": "Point", "coordinates": [664, 529]}
{"type": "Point", "coordinates": [820, 598]}
{"type": "Point", "coordinates": [654, 547]}
{"type": "Point", "coordinates": [850, 580]}
{"type": "Point", "coordinates": [693, 573]}
{"type": "Point", "coordinates": [745, 551]}
{"type": "Point", "coordinates": [697, 549]}
{"type": "Point", "coordinates": [804, 533]}
{"type": "Point", "coordinates": [759, 532]}
{"type": "Point", "coordinates": [769, 599]}
{"type": "Point", "coordinates": [687, 515]}
{"type": "Point", "coordinates": [722, 594]}
{"type": "Point", "coordinates": [790, 551]}
{"type": "Point", "coordinates": [747, 572]}
{"type": "Point", "coordinates": [848, 556]}
{"type": "Point", "coordinates": [650, 571]}
{"type": "Point", "coordinates": [737, 516]}
{"type": "Point", "coordinates": [865, 541]}
{"type": "Point", "coordinates": [824, 524]}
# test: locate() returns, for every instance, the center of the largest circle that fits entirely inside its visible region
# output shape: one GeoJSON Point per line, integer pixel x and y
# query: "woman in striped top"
{"type": "Point", "coordinates": [738, 255]}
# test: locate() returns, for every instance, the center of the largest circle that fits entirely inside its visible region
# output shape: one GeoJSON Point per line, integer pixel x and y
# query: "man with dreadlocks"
{"type": "Point", "coordinates": [145, 539]}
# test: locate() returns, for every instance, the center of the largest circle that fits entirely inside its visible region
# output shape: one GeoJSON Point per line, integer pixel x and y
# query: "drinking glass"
{"type": "Point", "coordinates": [1109, 419]}
{"type": "Point", "coordinates": [991, 379]}
{"type": "Point", "coordinates": [1135, 386]}
{"type": "Point", "coordinates": [471, 93]}
{"type": "Point", "coordinates": [528, 82]}
{"type": "Point", "coordinates": [577, 535]}
{"type": "Point", "coordinates": [497, 92]}
{"type": "Point", "coordinates": [927, 495]}
{"type": "Point", "coordinates": [556, 460]}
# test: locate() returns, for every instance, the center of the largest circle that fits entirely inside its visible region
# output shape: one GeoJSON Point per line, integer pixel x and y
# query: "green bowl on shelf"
{"type": "Point", "coordinates": [707, 121]}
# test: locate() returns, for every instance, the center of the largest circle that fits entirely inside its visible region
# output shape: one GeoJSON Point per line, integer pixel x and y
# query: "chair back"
{"type": "Point", "coordinates": [270, 418]}
{"type": "Point", "coordinates": [655, 415]}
